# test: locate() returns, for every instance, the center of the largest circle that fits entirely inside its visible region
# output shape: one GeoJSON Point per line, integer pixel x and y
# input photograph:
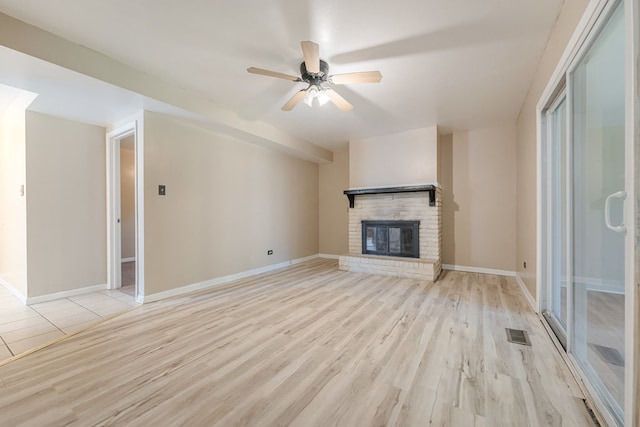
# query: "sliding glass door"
{"type": "Point", "coordinates": [556, 312]}
{"type": "Point", "coordinates": [584, 193]}
{"type": "Point", "coordinates": [597, 192]}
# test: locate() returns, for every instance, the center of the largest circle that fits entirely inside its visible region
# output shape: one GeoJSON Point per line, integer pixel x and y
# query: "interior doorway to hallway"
{"type": "Point", "coordinates": [127, 215]}
{"type": "Point", "coordinates": [124, 211]}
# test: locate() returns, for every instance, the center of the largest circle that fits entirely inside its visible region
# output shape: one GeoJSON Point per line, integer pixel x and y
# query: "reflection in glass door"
{"type": "Point", "coordinates": [597, 260]}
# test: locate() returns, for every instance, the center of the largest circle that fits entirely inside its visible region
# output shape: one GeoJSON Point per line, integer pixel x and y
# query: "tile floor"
{"type": "Point", "coordinates": [25, 327]}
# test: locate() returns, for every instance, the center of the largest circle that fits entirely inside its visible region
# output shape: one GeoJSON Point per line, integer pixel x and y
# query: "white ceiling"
{"type": "Point", "coordinates": [460, 64]}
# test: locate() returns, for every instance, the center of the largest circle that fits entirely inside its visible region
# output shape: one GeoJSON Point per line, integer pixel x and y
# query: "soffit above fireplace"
{"type": "Point", "coordinates": [431, 189]}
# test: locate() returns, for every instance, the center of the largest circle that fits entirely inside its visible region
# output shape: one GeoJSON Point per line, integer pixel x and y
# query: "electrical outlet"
{"type": "Point", "coordinates": [270, 252]}
{"type": "Point", "coordinates": [524, 264]}
{"type": "Point", "coordinates": [162, 190]}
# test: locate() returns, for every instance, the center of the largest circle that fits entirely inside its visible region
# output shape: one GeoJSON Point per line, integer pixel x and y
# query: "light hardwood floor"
{"type": "Point", "coordinates": [305, 346]}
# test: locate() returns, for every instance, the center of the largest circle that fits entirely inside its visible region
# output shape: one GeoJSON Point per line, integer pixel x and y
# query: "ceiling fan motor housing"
{"type": "Point", "coordinates": [313, 78]}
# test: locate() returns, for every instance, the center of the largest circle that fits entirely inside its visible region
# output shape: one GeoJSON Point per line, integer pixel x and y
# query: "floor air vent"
{"type": "Point", "coordinates": [518, 336]}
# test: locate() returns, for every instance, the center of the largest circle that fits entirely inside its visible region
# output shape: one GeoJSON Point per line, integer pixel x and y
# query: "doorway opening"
{"type": "Point", "coordinates": [124, 231]}
{"type": "Point", "coordinates": [127, 215]}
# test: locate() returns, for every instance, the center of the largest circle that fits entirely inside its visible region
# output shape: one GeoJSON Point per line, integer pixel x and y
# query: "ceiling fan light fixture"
{"type": "Point", "coordinates": [308, 100]}
{"type": "Point", "coordinates": [322, 98]}
{"type": "Point", "coordinates": [315, 93]}
{"type": "Point", "coordinates": [315, 73]}
{"type": "Point", "coordinates": [312, 91]}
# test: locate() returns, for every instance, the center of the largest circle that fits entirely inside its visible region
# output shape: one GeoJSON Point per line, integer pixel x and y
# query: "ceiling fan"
{"type": "Point", "coordinates": [315, 72]}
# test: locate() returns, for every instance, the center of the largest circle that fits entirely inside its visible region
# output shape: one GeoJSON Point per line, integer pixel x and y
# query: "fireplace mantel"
{"type": "Point", "coordinates": [351, 194]}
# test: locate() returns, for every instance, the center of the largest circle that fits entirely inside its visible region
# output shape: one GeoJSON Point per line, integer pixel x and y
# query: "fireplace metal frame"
{"type": "Point", "coordinates": [413, 225]}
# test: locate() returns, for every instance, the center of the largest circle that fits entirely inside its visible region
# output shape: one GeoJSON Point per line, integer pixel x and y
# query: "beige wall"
{"type": "Point", "coordinates": [479, 198]}
{"type": "Point", "coordinates": [13, 226]}
{"type": "Point", "coordinates": [227, 202]}
{"type": "Point", "coordinates": [334, 205]}
{"type": "Point", "coordinates": [526, 230]}
{"type": "Point", "coordinates": [405, 158]}
{"type": "Point", "coordinates": [477, 172]}
{"type": "Point", "coordinates": [66, 205]}
{"type": "Point", "coordinates": [127, 202]}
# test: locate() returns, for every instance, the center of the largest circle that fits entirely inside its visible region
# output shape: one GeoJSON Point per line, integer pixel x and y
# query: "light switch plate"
{"type": "Point", "coordinates": [162, 190]}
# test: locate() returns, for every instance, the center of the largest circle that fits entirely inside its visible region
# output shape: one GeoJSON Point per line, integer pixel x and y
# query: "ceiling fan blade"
{"type": "Point", "coordinates": [299, 96]}
{"type": "Point", "coordinates": [339, 101]}
{"type": "Point", "coordinates": [311, 53]}
{"type": "Point", "coordinates": [362, 77]}
{"type": "Point", "coordinates": [254, 70]}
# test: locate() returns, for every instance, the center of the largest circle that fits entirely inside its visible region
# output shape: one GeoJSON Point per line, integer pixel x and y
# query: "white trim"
{"type": "Point", "coordinates": [305, 259]}
{"type": "Point", "coordinates": [541, 204]}
{"type": "Point", "coordinates": [632, 215]}
{"type": "Point", "coordinates": [480, 270]}
{"type": "Point", "coordinates": [530, 299]}
{"type": "Point", "coordinates": [207, 284]}
{"type": "Point", "coordinates": [527, 295]}
{"type": "Point", "coordinates": [65, 294]}
{"type": "Point", "coordinates": [329, 256]}
{"type": "Point", "coordinates": [132, 126]}
{"type": "Point", "coordinates": [14, 291]}
{"type": "Point", "coordinates": [130, 259]}
{"type": "Point", "coordinates": [113, 203]}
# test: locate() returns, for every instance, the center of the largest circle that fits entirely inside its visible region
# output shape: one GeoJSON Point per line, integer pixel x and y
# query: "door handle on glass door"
{"type": "Point", "coordinates": [607, 212]}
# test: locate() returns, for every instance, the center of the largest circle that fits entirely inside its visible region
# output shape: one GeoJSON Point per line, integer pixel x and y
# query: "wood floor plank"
{"type": "Point", "coordinates": [307, 345]}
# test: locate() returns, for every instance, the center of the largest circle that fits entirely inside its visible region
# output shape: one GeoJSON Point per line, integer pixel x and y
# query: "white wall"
{"type": "Point", "coordinates": [13, 225]}
{"type": "Point", "coordinates": [66, 205]}
{"type": "Point", "coordinates": [406, 158]}
{"type": "Point", "coordinates": [227, 202]}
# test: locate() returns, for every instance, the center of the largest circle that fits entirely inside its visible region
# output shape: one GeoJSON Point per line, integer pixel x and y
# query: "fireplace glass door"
{"type": "Point", "coordinates": [391, 238]}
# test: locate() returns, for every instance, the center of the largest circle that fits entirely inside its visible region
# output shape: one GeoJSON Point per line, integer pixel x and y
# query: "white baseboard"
{"type": "Point", "coordinates": [207, 284]}
{"type": "Point", "coordinates": [299, 260]}
{"type": "Point", "coordinates": [480, 270]}
{"type": "Point", "coordinates": [530, 298]}
{"type": "Point", "coordinates": [65, 294]}
{"type": "Point", "coordinates": [14, 291]}
{"type": "Point", "coordinates": [128, 259]}
{"type": "Point", "coordinates": [329, 256]}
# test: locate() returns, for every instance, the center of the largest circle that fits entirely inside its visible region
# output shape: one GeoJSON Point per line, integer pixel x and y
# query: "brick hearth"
{"type": "Point", "coordinates": [394, 207]}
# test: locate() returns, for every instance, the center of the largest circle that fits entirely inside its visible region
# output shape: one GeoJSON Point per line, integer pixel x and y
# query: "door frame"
{"type": "Point", "coordinates": [586, 31]}
{"type": "Point", "coordinates": [632, 213]}
{"type": "Point", "coordinates": [114, 229]}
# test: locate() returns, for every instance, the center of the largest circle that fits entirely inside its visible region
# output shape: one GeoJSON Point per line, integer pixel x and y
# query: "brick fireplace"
{"type": "Point", "coordinates": [413, 203]}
